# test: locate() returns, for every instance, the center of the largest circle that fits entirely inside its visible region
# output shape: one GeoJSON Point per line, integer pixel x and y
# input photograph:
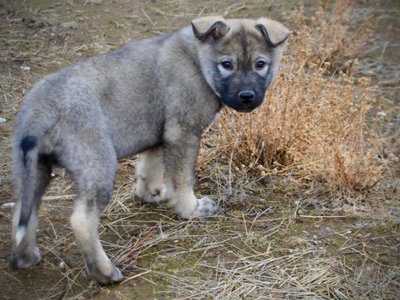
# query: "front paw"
{"type": "Point", "coordinates": [106, 279]}
{"type": "Point", "coordinates": [205, 208]}
{"type": "Point", "coordinates": [25, 259]}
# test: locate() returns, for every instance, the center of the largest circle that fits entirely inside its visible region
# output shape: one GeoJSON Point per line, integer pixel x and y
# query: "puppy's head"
{"type": "Point", "coordinates": [239, 58]}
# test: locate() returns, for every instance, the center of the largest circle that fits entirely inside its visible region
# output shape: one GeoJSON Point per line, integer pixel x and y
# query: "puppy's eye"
{"type": "Point", "coordinates": [227, 65]}
{"type": "Point", "coordinates": [260, 64]}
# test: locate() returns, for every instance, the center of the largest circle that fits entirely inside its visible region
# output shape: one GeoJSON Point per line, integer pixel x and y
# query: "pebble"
{"type": "Point", "coordinates": [2, 120]}
{"type": "Point", "coordinates": [62, 265]}
{"type": "Point", "coordinates": [25, 68]}
{"type": "Point", "coordinates": [70, 25]}
{"type": "Point", "coordinates": [382, 114]}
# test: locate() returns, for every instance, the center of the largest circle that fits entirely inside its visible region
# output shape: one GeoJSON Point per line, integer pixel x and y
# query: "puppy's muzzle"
{"type": "Point", "coordinates": [246, 97]}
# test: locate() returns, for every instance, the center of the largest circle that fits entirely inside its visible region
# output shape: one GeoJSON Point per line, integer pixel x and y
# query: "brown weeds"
{"type": "Point", "coordinates": [313, 123]}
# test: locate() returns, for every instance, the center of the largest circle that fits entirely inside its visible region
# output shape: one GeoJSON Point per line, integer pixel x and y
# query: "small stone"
{"type": "Point", "coordinates": [25, 68]}
{"type": "Point", "coordinates": [62, 265]}
{"type": "Point", "coordinates": [382, 114]}
{"type": "Point", "coordinates": [70, 25]}
{"type": "Point", "coordinates": [2, 120]}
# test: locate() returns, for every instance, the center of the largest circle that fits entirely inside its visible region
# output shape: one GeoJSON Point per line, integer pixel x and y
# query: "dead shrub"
{"type": "Point", "coordinates": [313, 123]}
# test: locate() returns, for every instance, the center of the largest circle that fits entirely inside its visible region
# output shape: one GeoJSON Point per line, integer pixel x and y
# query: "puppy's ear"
{"type": "Point", "coordinates": [209, 29]}
{"type": "Point", "coordinates": [274, 32]}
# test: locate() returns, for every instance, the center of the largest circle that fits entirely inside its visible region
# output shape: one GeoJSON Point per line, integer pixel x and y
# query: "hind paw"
{"type": "Point", "coordinates": [114, 277]}
{"type": "Point", "coordinates": [25, 260]}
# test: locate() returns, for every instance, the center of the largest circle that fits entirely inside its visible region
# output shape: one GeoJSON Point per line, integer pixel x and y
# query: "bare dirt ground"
{"type": "Point", "coordinates": [270, 240]}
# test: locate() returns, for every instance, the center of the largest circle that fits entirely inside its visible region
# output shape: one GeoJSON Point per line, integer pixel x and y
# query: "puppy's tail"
{"type": "Point", "coordinates": [27, 173]}
{"type": "Point", "coordinates": [30, 156]}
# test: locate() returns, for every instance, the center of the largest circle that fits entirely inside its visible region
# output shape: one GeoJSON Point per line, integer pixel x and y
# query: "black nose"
{"type": "Point", "coordinates": [246, 96]}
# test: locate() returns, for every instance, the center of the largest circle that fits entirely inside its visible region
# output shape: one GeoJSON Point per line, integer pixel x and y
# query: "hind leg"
{"type": "Point", "coordinates": [93, 171]}
{"type": "Point", "coordinates": [150, 170]}
{"type": "Point", "coordinates": [24, 252]}
{"type": "Point", "coordinates": [85, 221]}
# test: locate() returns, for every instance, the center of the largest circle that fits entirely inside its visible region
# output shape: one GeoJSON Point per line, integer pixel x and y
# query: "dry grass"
{"type": "Point", "coordinates": [314, 122]}
{"type": "Point", "coordinates": [306, 185]}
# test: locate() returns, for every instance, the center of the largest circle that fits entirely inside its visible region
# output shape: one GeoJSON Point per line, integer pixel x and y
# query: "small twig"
{"type": "Point", "coordinates": [233, 8]}
{"type": "Point", "coordinates": [59, 197]}
{"type": "Point", "coordinates": [136, 276]}
{"type": "Point", "coordinates": [52, 227]}
{"type": "Point", "coordinates": [133, 253]}
{"type": "Point", "coordinates": [148, 17]}
{"type": "Point", "coordinates": [16, 279]}
{"type": "Point", "coordinates": [325, 217]}
{"type": "Point", "coordinates": [229, 191]}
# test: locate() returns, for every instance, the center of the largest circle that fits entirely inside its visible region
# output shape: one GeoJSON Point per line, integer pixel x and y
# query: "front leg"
{"type": "Point", "coordinates": [180, 153]}
{"type": "Point", "coordinates": [150, 185]}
